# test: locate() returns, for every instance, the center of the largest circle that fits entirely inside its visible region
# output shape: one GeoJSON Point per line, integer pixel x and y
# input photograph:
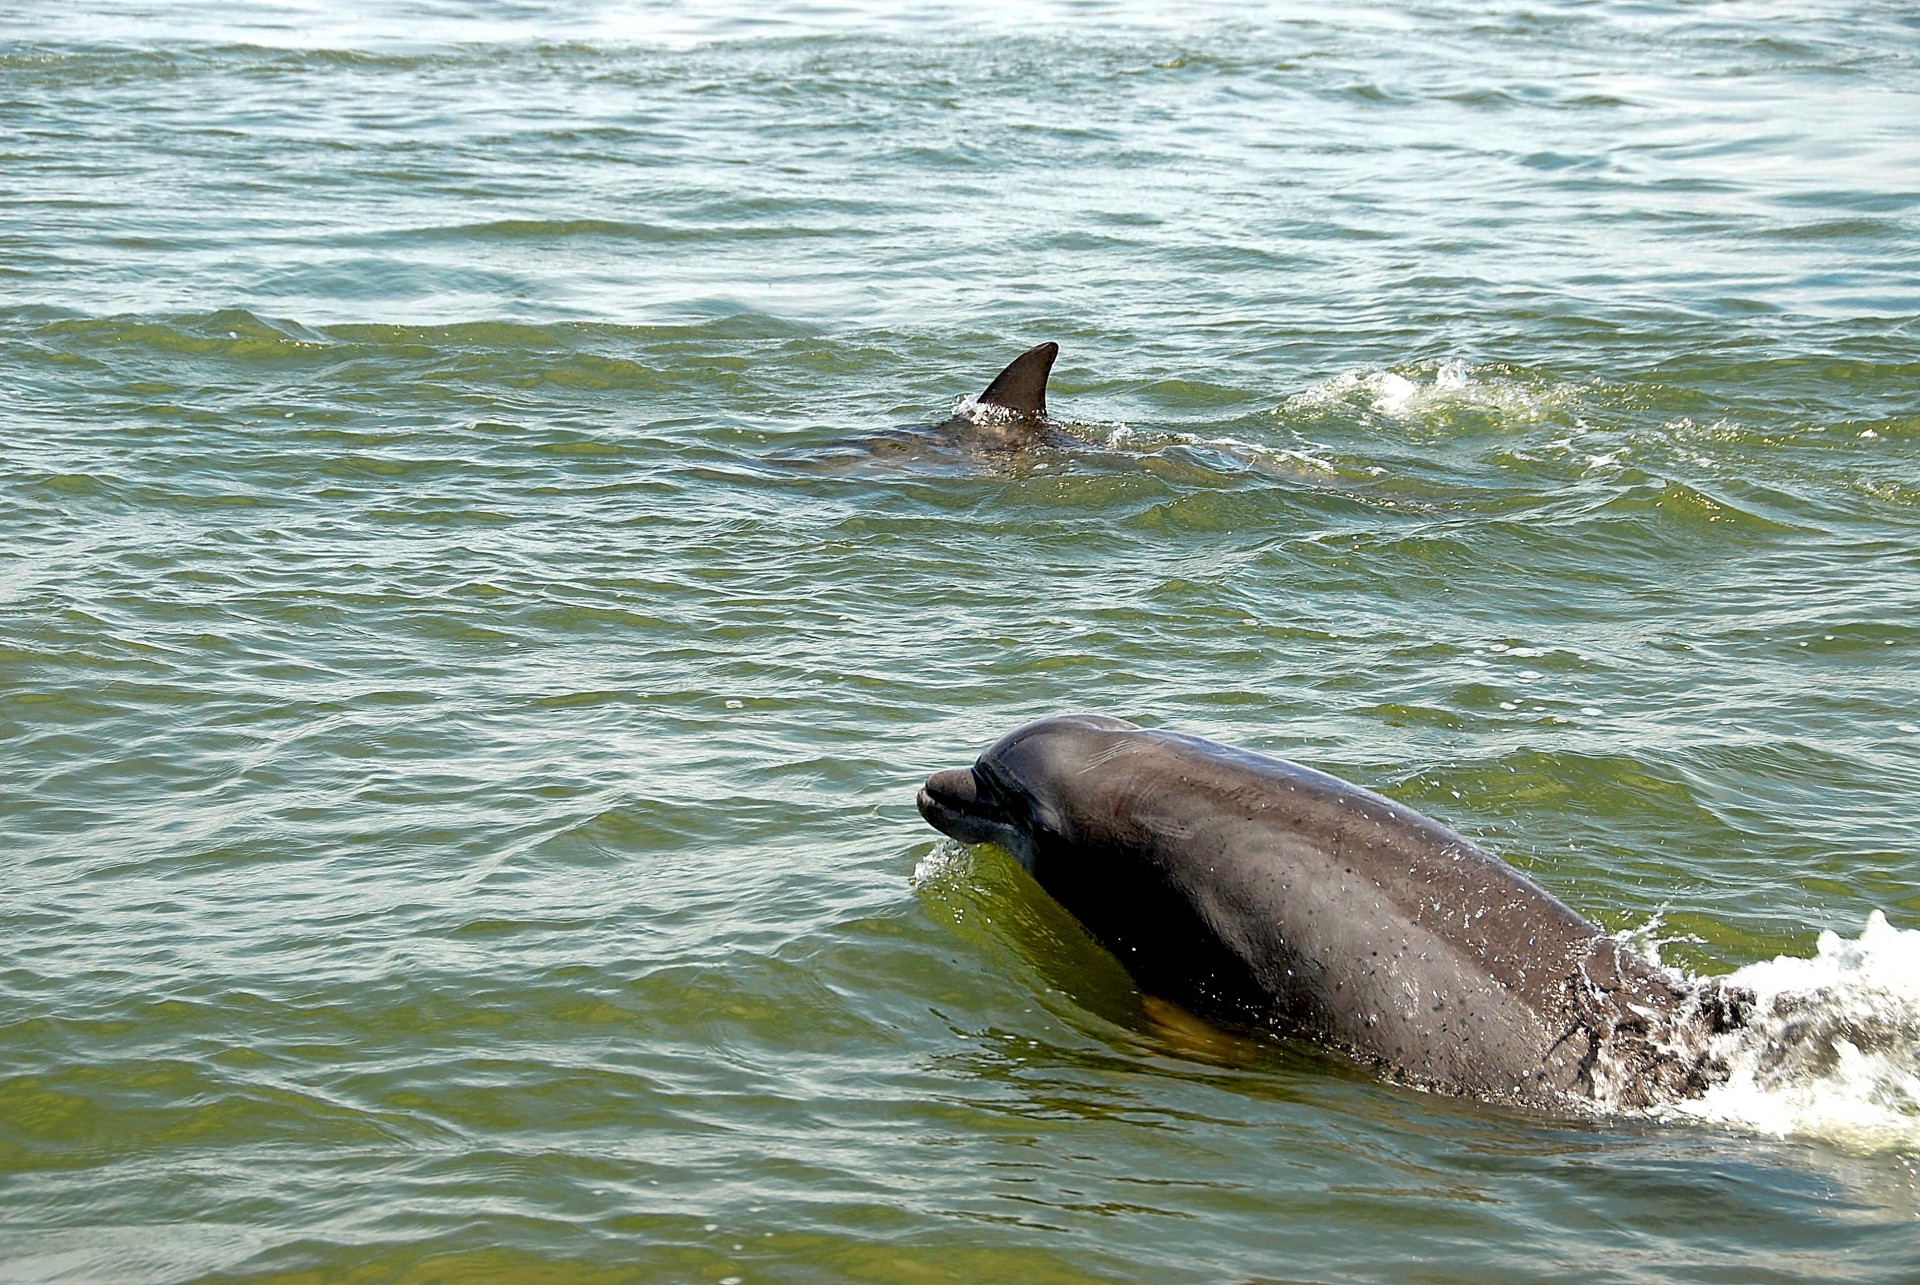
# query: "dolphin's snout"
{"type": "Point", "coordinates": [956, 787]}
{"type": "Point", "coordinates": [954, 803]}
{"type": "Point", "coordinates": [949, 796]}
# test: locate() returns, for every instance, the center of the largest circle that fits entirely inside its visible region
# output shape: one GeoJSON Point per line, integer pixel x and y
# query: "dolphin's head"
{"type": "Point", "coordinates": [1008, 797]}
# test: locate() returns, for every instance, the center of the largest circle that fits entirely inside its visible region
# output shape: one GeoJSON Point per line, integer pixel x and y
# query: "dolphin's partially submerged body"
{"type": "Point", "coordinates": [1012, 412]}
{"type": "Point", "coordinates": [1270, 894]}
{"type": "Point", "coordinates": [1008, 418]}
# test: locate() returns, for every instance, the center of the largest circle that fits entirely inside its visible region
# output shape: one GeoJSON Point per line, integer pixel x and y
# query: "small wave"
{"type": "Point", "coordinates": [1440, 389]}
{"type": "Point", "coordinates": [1831, 1049]}
{"type": "Point", "coordinates": [541, 230]}
{"type": "Point", "coordinates": [1219, 452]}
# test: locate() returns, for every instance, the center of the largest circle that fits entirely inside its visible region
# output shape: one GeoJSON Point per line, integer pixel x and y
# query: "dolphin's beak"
{"type": "Point", "coordinates": [953, 803]}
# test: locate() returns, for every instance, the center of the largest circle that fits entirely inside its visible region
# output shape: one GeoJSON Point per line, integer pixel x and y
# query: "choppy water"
{"type": "Point", "coordinates": [457, 759]}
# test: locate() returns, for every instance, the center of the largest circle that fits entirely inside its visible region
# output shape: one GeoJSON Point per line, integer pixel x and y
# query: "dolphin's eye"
{"type": "Point", "coordinates": [995, 788]}
{"type": "Point", "coordinates": [1012, 799]}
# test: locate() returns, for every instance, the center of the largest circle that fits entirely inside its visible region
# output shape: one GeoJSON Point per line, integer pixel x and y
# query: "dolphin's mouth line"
{"type": "Point", "coordinates": [955, 788]}
{"type": "Point", "coordinates": [940, 814]}
{"type": "Point", "coordinates": [954, 804]}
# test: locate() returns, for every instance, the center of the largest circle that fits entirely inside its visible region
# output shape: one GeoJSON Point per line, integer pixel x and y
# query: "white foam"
{"type": "Point", "coordinates": [1832, 1049]}
{"type": "Point", "coordinates": [1424, 389]}
{"type": "Point", "coordinates": [1391, 392]}
{"type": "Point", "coordinates": [970, 407]}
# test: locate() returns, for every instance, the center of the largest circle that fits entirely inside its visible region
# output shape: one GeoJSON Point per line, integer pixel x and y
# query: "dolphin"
{"type": "Point", "coordinates": [1006, 419]}
{"type": "Point", "coordinates": [1275, 896]}
{"type": "Point", "coordinates": [1019, 394]}
{"type": "Point", "coordinates": [1009, 416]}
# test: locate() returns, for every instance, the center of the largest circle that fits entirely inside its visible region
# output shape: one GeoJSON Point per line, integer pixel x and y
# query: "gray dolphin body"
{"type": "Point", "coordinates": [1269, 893]}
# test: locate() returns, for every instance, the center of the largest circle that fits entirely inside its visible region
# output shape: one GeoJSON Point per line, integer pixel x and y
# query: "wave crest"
{"type": "Point", "coordinates": [1831, 1047]}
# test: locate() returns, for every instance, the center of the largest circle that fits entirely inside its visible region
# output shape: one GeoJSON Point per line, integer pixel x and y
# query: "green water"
{"type": "Point", "coordinates": [461, 697]}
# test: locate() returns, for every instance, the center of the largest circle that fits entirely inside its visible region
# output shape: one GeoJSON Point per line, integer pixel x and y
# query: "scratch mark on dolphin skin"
{"type": "Point", "coordinates": [1113, 753]}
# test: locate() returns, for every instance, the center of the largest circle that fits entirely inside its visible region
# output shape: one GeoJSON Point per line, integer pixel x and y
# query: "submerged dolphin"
{"type": "Point", "coordinates": [1269, 893]}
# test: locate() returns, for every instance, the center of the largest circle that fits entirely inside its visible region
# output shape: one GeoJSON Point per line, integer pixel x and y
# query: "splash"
{"type": "Point", "coordinates": [1831, 1049]}
{"type": "Point", "coordinates": [948, 867]}
{"type": "Point", "coordinates": [1427, 390]}
{"type": "Point", "coordinates": [985, 414]}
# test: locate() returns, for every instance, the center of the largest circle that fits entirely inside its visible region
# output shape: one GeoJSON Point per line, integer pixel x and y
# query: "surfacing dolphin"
{"type": "Point", "coordinates": [1009, 417]}
{"type": "Point", "coordinates": [1017, 402]}
{"type": "Point", "coordinates": [1270, 894]}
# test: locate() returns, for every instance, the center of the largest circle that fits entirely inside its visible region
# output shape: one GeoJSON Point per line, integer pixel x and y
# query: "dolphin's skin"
{"type": "Point", "coordinates": [1268, 893]}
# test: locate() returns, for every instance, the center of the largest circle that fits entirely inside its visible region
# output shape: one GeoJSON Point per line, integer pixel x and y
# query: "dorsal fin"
{"type": "Point", "coordinates": [1022, 386]}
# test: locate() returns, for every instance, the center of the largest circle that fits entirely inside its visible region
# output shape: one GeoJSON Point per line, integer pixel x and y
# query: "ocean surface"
{"type": "Point", "coordinates": [473, 619]}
